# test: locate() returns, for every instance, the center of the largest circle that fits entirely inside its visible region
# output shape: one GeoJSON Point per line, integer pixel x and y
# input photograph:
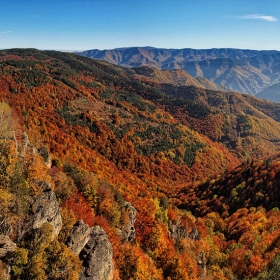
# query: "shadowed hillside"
{"type": "Point", "coordinates": [271, 93]}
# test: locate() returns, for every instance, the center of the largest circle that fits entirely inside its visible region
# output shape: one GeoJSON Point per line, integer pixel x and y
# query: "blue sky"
{"type": "Point", "coordinates": [106, 24]}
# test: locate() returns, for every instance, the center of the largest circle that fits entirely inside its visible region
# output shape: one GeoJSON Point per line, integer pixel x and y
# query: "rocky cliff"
{"type": "Point", "coordinates": [94, 250]}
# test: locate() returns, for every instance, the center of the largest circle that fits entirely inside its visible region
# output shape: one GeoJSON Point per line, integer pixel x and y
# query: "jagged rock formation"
{"type": "Point", "coordinates": [176, 231]}
{"type": "Point", "coordinates": [79, 237]}
{"type": "Point", "coordinates": [45, 209]}
{"type": "Point", "coordinates": [202, 262]}
{"type": "Point", "coordinates": [97, 256]}
{"type": "Point", "coordinates": [6, 246]}
{"type": "Point", "coordinates": [45, 154]}
{"type": "Point", "coordinates": [94, 250]}
{"type": "Point", "coordinates": [128, 229]}
{"type": "Point", "coordinates": [194, 234]}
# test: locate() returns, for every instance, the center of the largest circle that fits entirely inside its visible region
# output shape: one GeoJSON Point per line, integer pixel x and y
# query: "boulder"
{"type": "Point", "coordinates": [94, 250]}
{"type": "Point", "coordinates": [79, 237]}
{"type": "Point", "coordinates": [97, 256]}
{"type": "Point", "coordinates": [45, 209]}
{"type": "Point", "coordinates": [177, 231]}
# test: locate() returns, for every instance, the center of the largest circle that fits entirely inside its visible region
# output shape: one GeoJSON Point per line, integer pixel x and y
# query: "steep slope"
{"type": "Point", "coordinates": [118, 155]}
{"type": "Point", "coordinates": [242, 207]}
{"type": "Point", "coordinates": [246, 71]}
{"type": "Point", "coordinates": [246, 125]}
{"type": "Point", "coordinates": [242, 212]}
{"type": "Point", "coordinates": [175, 77]}
{"type": "Point", "coordinates": [96, 115]}
{"type": "Point", "coordinates": [253, 184]}
{"type": "Point", "coordinates": [271, 93]}
{"type": "Point", "coordinates": [110, 148]}
{"type": "Point", "coordinates": [96, 96]}
{"type": "Point", "coordinates": [210, 85]}
{"type": "Point", "coordinates": [234, 74]}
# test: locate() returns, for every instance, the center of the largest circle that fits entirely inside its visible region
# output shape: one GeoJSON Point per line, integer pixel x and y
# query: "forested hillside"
{"type": "Point", "coordinates": [143, 174]}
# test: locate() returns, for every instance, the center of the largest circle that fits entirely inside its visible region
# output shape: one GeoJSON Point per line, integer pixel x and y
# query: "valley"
{"type": "Point", "coordinates": [161, 173]}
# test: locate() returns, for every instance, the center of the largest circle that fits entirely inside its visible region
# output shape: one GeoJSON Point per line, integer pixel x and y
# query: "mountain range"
{"type": "Point", "coordinates": [271, 93]}
{"type": "Point", "coordinates": [245, 71]}
{"type": "Point", "coordinates": [133, 173]}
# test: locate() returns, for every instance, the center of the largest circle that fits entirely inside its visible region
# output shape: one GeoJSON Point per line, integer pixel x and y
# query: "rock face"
{"type": "Point", "coordinates": [97, 256]}
{"type": "Point", "coordinates": [128, 229]}
{"type": "Point", "coordinates": [45, 154]}
{"type": "Point", "coordinates": [202, 263]}
{"type": "Point", "coordinates": [45, 209]}
{"type": "Point", "coordinates": [194, 234]}
{"type": "Point", "coordinates": [95, 251]}
{"type": "Point", "coordinates": [79, 237]}
{"type": "Point", "coordinates": [6, 246]}
{"type": "Point", "coordinates": [176, 231]}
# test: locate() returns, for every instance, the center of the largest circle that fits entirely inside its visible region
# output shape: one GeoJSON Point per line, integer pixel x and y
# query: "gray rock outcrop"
{"type": "Point", "coordinates": [128, 230]}
{"type": "Point", "coordinates": [45, 154]}
{"type": "Point", "coordinates": [79, 237]}
{"type": "Point", "coordinates": [97, 256]}
{"type": "Point", "coordinates": [194, 234]}
{"type": "Point", "coordinates": [202, 262]}
{"type": "Point", "coordinates": [94, 250]}
{"type": "Point", "coordinates": [6, 246]}
{"type": "Point", "coordinates": [45, 209]}
{"type": "Point", "coordinates": [176, 231]}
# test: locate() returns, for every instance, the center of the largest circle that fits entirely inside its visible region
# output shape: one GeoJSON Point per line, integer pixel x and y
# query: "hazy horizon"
{"type": "Point", "coordinates": [109, 24]}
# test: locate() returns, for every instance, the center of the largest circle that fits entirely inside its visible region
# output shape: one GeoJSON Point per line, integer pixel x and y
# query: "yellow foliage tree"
{"type": "Point", "coordinates": [6, 131]}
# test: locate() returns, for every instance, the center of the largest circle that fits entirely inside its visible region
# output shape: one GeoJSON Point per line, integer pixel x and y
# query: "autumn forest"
{"type": "Point", "coordinates": [175, 181]}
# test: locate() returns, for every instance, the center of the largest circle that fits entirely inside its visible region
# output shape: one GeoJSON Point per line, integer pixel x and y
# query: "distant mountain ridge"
{"type": "Point", "coordinates": [246, 71]}
{"type": "Point", "coordinates": [271, 93]}
{"type": "Point", "coordinates": [175, 77]}
{"type": "Point", "coordinates": [134, 172]}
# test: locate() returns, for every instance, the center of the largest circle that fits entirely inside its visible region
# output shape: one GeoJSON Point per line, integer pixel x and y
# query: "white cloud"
{"type": "Point", "coordinates": [259, 16]}
{"type": "Point", "coordinates": [5, 32]}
